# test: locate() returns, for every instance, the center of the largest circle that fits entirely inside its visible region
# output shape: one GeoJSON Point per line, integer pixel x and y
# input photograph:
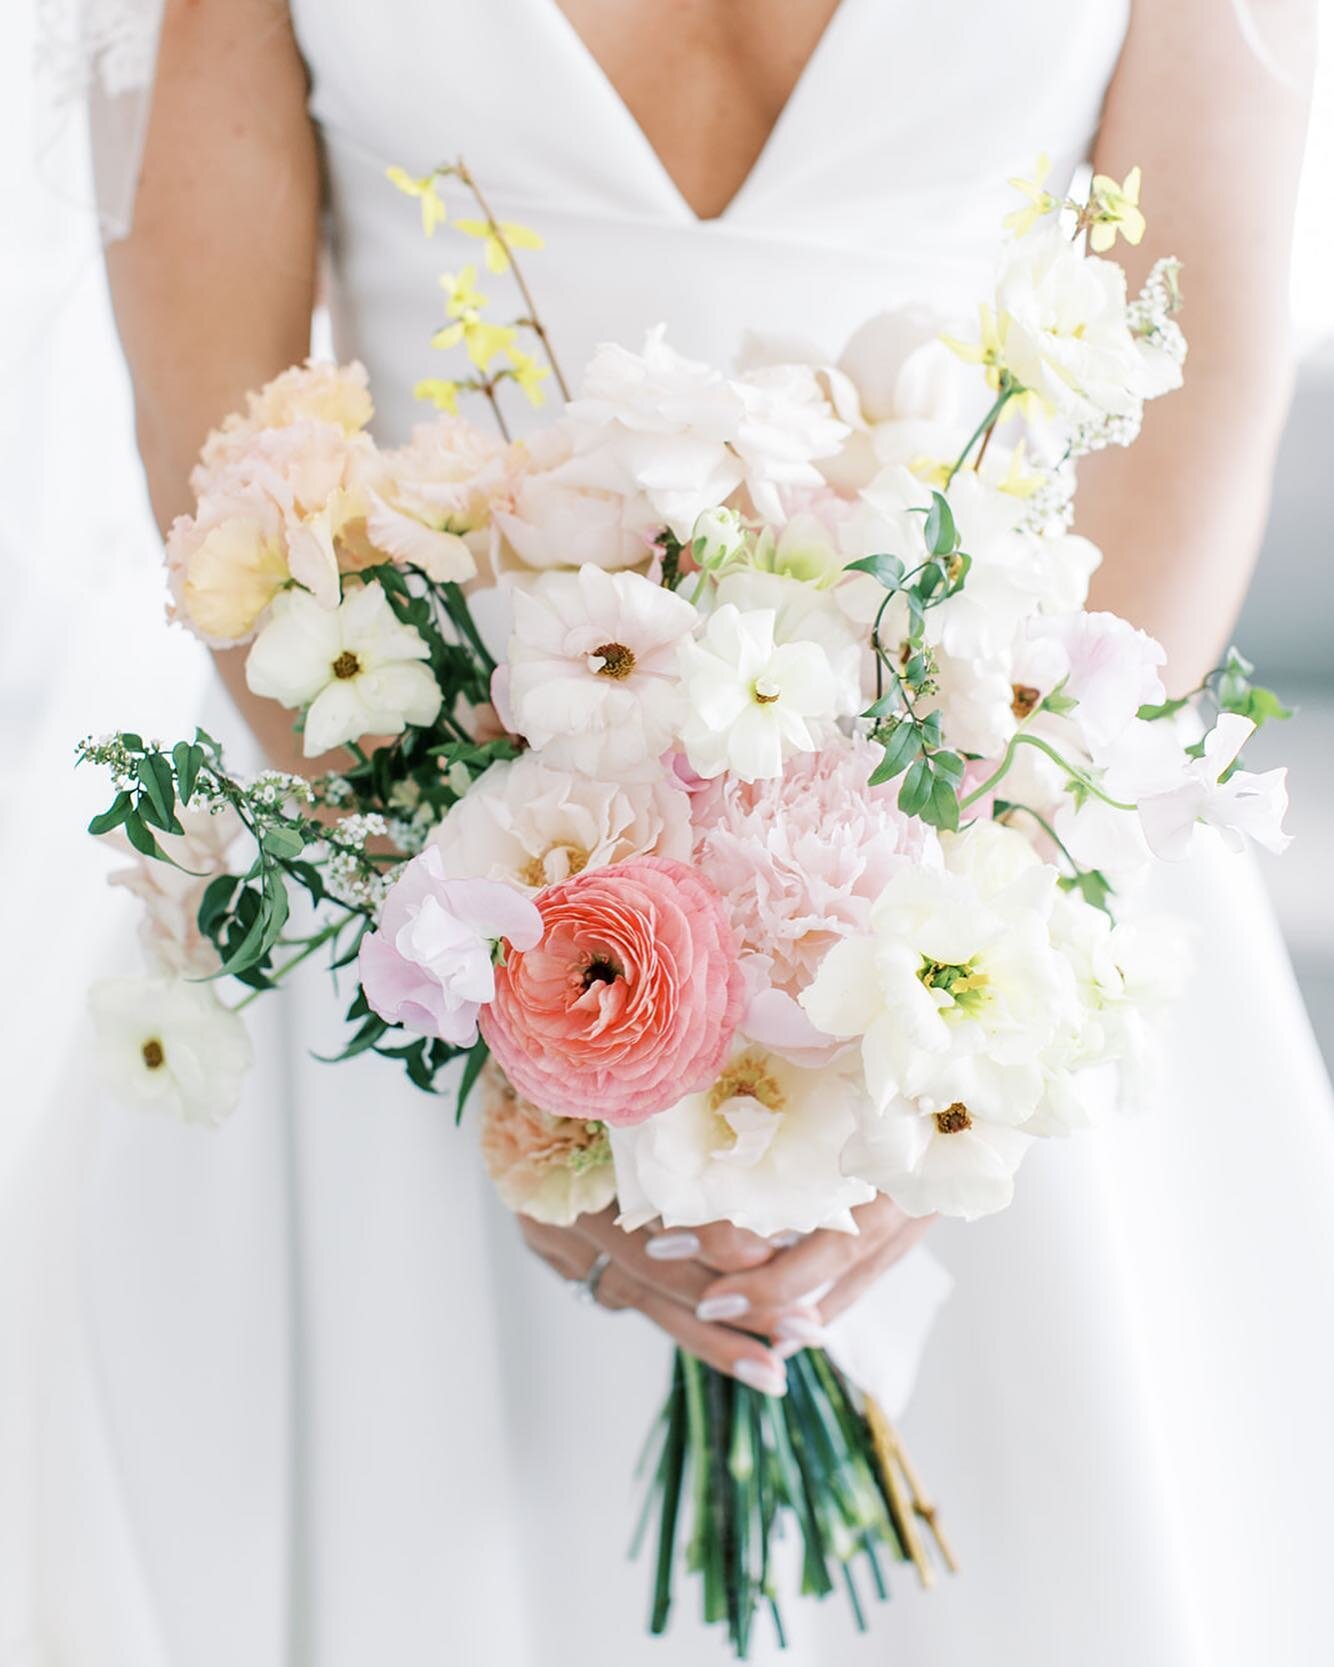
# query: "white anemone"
{"type": "Point", "coordinates": [170, 1045]}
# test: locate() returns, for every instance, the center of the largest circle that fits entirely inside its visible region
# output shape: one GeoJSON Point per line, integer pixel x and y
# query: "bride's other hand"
{"type": "Point", "coordinates": [798, 1291]}
{"type": "Point", "coordinates": [667, 1289]}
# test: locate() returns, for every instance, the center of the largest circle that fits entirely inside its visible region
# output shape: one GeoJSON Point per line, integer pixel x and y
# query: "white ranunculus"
{"type": "Point", "coordinates": [1062, 316]}
{"type": "Point", "coordinates": [574, 505]}
{"type": "Point", "coordinates": [759, 1148]}
{"type": "Point", "coordinates": [667, 421]}
{"type": "Point", "coordinates": [593, 673]}
{"type": "Point", "coordinates": [751, 701]}
{"type": "Point", "coordinates": [957, 990]}
{"type": "Point", "coordinates": [357, 669]}
{"type": "Point", "coordinates": [1240, 806]}
{"type": "Point", "coordinates": [530, 825]}
{"type": "Point", "coordinates": [937, 1158]}
{"type": "Point", "coordinates": [787, 424]}
{"type": "Point", "coordinates": [170, 1045]}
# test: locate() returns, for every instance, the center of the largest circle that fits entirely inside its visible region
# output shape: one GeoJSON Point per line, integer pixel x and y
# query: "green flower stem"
{"type": "Point", "coordinates": [456, 606]}
{"type": "Point", "coordinates": [312, 944]}
{"type": "Point", "coordinates": [1023, 740]}
{"type": "Point", "coordinates": [1008, 389]}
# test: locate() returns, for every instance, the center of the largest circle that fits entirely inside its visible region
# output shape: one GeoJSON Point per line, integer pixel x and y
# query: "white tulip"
{"type": "Point", "coordinates": [357, 669]}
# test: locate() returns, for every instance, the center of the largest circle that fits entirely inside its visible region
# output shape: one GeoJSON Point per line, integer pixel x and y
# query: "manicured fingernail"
{"type": "Point", "coordinates": [785, 1241]}
{"type": "Point", "coordinates": [767, 1379]}
{"type": "Point", "coordinates": [785, 1351]}
{"type": "Point", "coordinates": [729, 1306]}
{"type": "Point", "coordinates": [798, 1328]}
{"type": "Point", "coordinates": [672, 1247]}
{"type": "Point", "coordinates": [812, 1297]}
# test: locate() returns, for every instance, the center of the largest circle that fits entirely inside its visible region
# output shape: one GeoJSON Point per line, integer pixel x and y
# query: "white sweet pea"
{"type": "Point", "coordinates": [593, 671]}
{"type": "Point", "coordinates": [356, 668]}
{"type": "Point", "coordinates": [935, 1158]}
{"type": "Point", "coordinates": [1111, 671]}
{"type": "Point", "coordinates": [530, 825]}
{"type": "Point", "coordinates": [1062, 318]}
{"type": "Point", "coordinates": [1243, 805]}
{"type": "Point", "coordinates": [751, 701]}
{"type": "Point", "coordinates": [759, 1148]}
{"type": "Point", "coordinates": [170, 1045]}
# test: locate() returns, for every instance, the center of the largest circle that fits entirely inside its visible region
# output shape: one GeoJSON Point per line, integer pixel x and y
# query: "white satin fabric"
{"type": "Point", "coordinates": [305, 1402]}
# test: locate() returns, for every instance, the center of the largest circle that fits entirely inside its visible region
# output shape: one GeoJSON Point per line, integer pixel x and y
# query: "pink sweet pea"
{"type": "Point", "coordinates": [429, 966]}
{"type": "Point", "coordinates": [631, 999]}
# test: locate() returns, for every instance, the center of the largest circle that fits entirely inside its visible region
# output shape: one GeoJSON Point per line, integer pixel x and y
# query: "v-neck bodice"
{"type": "Point", "coordinates": [881, 182]}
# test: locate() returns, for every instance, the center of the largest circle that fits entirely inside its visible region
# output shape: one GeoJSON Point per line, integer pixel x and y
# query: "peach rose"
{"type": "Point", "coordinates": [629, 1000]}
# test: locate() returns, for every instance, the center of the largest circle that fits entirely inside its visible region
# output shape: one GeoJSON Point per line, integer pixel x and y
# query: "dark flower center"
{"type": "Point", "coordinates": [1025, 699]}
{"type": "Point", "coordinates": [600, 970]}
{"type": "Point", "coordinates": [153, 1054]}
{"type": "Point", "coordinates": [618, 661]}
{"type": "Point", "coordinates": [954, 1119]}
{"type": "Point", "coordinates": [346, 665]}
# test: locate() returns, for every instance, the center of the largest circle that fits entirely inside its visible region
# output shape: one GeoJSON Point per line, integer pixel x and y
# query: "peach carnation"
{"type": "Point", "coordinates": [554, 1169]}
{"type": "Point", "coordinates": [630, 999]}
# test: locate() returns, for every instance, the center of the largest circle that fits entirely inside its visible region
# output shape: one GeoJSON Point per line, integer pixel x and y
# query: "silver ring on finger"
{"type": "Point", "coordinates": [586, 1289]}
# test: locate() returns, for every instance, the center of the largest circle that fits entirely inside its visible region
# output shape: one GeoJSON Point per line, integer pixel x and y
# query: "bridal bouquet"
{"type": "Point", "coordinates": [750, 805]}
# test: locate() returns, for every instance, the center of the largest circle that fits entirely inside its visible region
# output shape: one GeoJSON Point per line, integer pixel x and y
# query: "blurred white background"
{"type": "Point", "coordinates": [83, 644]}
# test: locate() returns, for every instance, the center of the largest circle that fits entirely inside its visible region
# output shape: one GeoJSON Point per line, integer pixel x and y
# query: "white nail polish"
{"type": "Point", "coordinates": [730, 1306]}
{"type": "Point", "coordinates": [813, 1297]}
{"type": "Point", "coordinates": [785, 1351]}
{"type": "Point", "coordinates": [672, 1247]}
{"type": "Point", "coordinates": [785, 1241]}
{"type": "Point", "coordinates": [797, 1328]}
{"type": "Point", "coordinates": [767, 1379]}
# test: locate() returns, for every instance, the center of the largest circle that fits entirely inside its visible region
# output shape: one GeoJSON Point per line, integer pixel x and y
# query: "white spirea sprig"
{"type": "Point", "coordinates": [347, 874]}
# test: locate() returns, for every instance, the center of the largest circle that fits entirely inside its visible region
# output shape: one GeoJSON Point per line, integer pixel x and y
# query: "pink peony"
{"type": "Point", "coordinates": [801, 858]}
{"type": "Point", "coordinates": [429, 966]}
{"type": "Point", "coordinates": [631, 999]}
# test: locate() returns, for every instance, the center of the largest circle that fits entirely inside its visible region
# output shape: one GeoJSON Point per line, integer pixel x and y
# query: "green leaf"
{"type": "Point", "coordinates": [900, 750]}
{"type": "Point", "coordinates": [942, 806]}
{"type": "Point", "coordinates": [140, 836]}
{"type": "Point", "coordinates": [155, 774]}
{"type": "Point", "coordinates": [948, 766]}
{"type": "Point", "coordinates": [113, 816]}
{"type": "Point", "coordinates": [215, 902]}
{"type": "Point", "coordinates": [477, 1057]}
{"type": "Point", "coordinates": [1092, 885]}
{"type": "Point", "coordinates": [131, 741]}
{"type": "Point", "coordinates": [887, 569]}
{"type": "Point", "coordinates": [916, 789]}
{"type": "Point", "coordinates": [941, 536]}
{"type": "Point", "coordinates": [187, 759]}
{"type": "Point", "coordinates": [283, 842]}
{"type": "Point", "coordinates": [885, 707]}
{"type": "Point", "coordinates": [1150, 714]}
{"type": "Point", "coordinates": [169, 824]}
{"type": "Point", "coordinates": [1260, 705]}
{"type": "Point", "coordinates": [1060, 703]}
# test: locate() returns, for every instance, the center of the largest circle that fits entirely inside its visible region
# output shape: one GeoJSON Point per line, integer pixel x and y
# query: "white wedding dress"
{"type": "Point", "coordinates": [308, 1403]}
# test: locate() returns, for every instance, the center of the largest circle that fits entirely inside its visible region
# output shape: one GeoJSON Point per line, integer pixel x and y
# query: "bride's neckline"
{"type": "Point", "coordinates": [604, 88]}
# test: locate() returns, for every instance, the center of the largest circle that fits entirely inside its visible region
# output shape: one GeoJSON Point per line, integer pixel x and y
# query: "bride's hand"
{"type": "Point", "coordinates": [797, 1291]}
{"type": "Point", "coordinates": [666, 1276]}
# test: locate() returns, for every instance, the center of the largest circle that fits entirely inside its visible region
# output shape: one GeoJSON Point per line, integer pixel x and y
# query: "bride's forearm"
{"type": "Point", "coordinates": [214, 288]}
{"type": "Point", "coordinates": [1180, 515]}
{"type": "Point", "coordinates": [1211, 100]}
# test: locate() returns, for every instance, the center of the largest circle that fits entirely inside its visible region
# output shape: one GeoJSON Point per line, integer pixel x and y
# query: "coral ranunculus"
{"type": "Point", "coordinates": [629, 1001]}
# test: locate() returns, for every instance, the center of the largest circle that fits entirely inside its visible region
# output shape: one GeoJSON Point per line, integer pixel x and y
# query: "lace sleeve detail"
{"type": "Point", "coordinates": [95, 63]}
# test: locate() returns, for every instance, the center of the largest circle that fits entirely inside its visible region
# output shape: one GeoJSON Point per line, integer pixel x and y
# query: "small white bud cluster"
{"type": "Point", "coordinates": [1050, 510]}
{"type": "Point", "coordinates": [346, 873]}
{"type": "Point", "coordinates": [1104, 430]}
{"type": "Point", "coordinates": [273, 789]}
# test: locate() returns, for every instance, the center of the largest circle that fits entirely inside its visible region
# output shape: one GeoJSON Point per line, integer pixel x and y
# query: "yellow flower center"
{"type": "Point", "coordinates": [536, 873]}
{"type": "Point", "coordinates": [954, 1119]}
{"type": "Point", "coordinates": [963, 984]}
{"type": "Point", "coordinates": [618, 661]}
{"type": "Point", "coordinates": [763, 694]}
{"type": "Point", "coordinates": [154, 1056]}
{"type": "Point", "coordinates": [346, 665]}
{"type": "Point", "coordinates": [748, 1078]}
